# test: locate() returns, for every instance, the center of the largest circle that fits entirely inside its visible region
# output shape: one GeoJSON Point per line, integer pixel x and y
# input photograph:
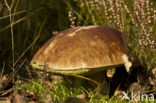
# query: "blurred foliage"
{"type": "Point", "coordinates": [43, 18]}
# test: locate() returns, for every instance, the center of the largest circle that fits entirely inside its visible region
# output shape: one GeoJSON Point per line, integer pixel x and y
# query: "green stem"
{"type": "Point", "coordinates": [12, 34]}
{"type": "Point", "coordinates": [12, 41]}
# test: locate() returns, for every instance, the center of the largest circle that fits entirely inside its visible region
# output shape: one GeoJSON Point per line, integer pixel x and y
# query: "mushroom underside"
{"type": "Point", "coordinates": [81, 71]}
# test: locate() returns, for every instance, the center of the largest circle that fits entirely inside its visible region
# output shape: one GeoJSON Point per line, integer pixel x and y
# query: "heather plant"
{"type": "Point", "coordinates": [136, 19]}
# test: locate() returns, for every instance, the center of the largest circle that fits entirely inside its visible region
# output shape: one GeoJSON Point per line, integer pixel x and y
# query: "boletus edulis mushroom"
{"type": "Point", "coordinates": [84, 50]}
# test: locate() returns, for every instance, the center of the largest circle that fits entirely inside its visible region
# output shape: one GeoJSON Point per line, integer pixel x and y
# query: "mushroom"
{"type": "Point", "coordinates": [84, 50]}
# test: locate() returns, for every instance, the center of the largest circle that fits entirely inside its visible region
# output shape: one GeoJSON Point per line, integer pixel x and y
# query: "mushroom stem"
{"type": "Point", "coordinates": [102, 78]}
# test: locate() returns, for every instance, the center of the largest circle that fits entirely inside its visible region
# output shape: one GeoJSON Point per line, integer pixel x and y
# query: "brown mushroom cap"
{"type": "Point", "coordinates": [81, 50]}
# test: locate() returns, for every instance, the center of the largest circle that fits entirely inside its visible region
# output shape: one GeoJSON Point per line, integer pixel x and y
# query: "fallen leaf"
{"type": "Point", "coordinates": [49, 84]}
{"type": "Point", "coordinates": [5, 99]}
{"type": "Point", "coordinates": [18, 99]}
{"type": "Point", "coordinates": [57, 78]}
{"type": "Point", "coordinates": [154, 71]}
{"type": "Point", "coordinates": [49, 99]}
{"type": "Point", "coordinates": [81, 96]}
{"type": "Point", "coordinates": [118, 93]}
{"type": "Point", "coordinates": [3, 79]}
